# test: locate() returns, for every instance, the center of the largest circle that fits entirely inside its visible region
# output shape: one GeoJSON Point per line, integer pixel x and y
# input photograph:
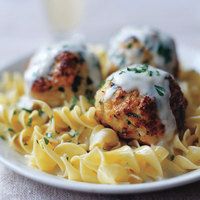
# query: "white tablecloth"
{"type": "Point", "coordinates": [23, 27]}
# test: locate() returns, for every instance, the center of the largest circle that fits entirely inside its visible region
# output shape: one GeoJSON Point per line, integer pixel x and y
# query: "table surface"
{"type": "Point", "coordinates": [24, 27]}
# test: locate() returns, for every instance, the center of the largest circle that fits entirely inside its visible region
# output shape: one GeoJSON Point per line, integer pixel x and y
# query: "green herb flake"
{"type": "Point", "coordinates": [57, 132]}
{"type": "Point", "coordinates": [73, 102]}
{"type": "Point", "coordinates": [139, 69]}
{"type": "Point", "coordinates": [89, 81]}
{"type": "Point", "coordinates": [2, 137]}
{"type": "Point", "coordinates": [129, 45]}
{"type": "Point", "coordinates": [15, 112]}
{"type": "Point", "coordinates": [11, 130]}
{"type": "Point", "coordinates": [29, 123]}
{"type": "Point", "coordinates": [172, 157]}
{"type": "Point", "coordinates": [91, 101]}
{"type": "Point", "coordinates": [135, 115]}
{"type": "Point", "coordinates": [51, 118]}
{"type": "Point", "coordinates": [89, 94]}
{"type": "Point", "coordinates": [128, 122]}
{"type": "Point", "coordinates": [46, 141]}
{"type": "Point", "coordinates": [40, 112]}
{"type": "Point", "coordinates": [150, 73]}
{"type": "Point", "coordinates": [27, 110]}
{"type": "Point", "coordinates": [73, 133]}
{"type": "Point", "coordinates": [61, 89]}
{"type": "Point", "coordinates": [121, 72]}
{"type": "Point", "coordinates": [164, 51]}
{"type": "Point", "coordinates": [130, 69]}
{"type": "Point", "coordinates": [101, 84]}
{"type": "Point", "coordinates": [76, 83]}
{"type": "Point", "coordinates": [157, 73]}
{"type": "Point", "coordinates": [160, 90]}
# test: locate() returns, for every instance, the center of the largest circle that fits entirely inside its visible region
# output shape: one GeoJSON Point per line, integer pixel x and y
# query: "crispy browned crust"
{"type": "Point", "coordinates": [132, 116]}
{"type": "Point", "coordinates": [64, 71]}
{"type": "Point", "coordinates": [178, 103]}
{"type": "Point", "coordinates": [136, 116]}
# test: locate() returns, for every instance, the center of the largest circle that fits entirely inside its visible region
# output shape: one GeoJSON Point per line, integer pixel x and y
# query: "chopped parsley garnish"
{"type": "Point", "coordinates": [129, 45]}
{"type": "Point", "coordinates": [11, 130]}
{"type": "Point", "coordinates": [160, 90]}
{"type": "Point", "coordinates": [89, 94]}
{"type": "Point", "coordinates": [165, 52]}
{"type": "Point", "coordinates": [139, 69]}
{"type": "Point", "coordinates": [40, 112]}
{"type": "Point", "coordinates": [91, 101]}
{"type": "Point", "coordinates": [121, 72]}
{"type": "Point", "coordinates": [27, 110]}
{"type": "Point", "coordinates": [128, 122]}
{"type": "Point", "coordinates": [101, 84]}
{"type": "Point", "coordinates": [46, 141]}
{"type": "Point", "coordinates": [29, 122]}
{"type": "Point", "coordinates": [112, 84]}
{"type": "Point", "coordinates": [49, 135]}
{"type": "Point", "coordinates": [2, 137]}
{"type": "Point", "coordinates": [73, 133]}
{"type": "Point", "coordinates": [76, 83]}
{"type": "Point", "coordinates": [15, 112]}
{"type": "Point", "coordinates": [89, 81]}
{"type": "Point", "coordinates": [51, 119]}
{"type": "Point", "coordinates": [171, 157]}
{"type": "Point", "coordinates": [25, 144]}
{"type": "Point", "coordinates": [130, 69]}
{"type": "Point", "coordinates": [61, 89]}
{"type": "Point", "coordinates": [157, 73]}
{"type": "Point", "coordinates": [50, 87]}
{"type": "Point", "coordinates": [73, 102]}
{"type": "Point", "coordinates": [131, 114]}
{"type": "Point", "coordinates": [150, 73]}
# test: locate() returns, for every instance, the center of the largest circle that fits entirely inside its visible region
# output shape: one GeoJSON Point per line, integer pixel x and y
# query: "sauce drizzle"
{"type": "Point", "coordinates": [154, 85]}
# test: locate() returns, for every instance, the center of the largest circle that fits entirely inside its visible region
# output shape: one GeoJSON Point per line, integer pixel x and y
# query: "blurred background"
{"type": "Point", "coordinates": [27, 24]}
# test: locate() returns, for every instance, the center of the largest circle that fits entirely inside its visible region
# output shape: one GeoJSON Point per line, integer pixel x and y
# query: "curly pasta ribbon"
{"type": "Point", "coordinates": [69, 142]}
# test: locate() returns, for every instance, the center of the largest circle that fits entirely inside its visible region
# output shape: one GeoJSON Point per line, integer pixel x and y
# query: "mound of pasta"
{"type": "Point", "coordinates": [82, 141]}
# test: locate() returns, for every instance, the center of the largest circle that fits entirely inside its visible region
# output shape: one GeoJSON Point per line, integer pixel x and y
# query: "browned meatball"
{"type": "Point", "coordinates": [133, 101]}
{"type": "Point", "coordinates": [57, 74]}
{"type": "Point", "coordinates": [66, 68]}
{"type": "Point", "coordinates": [134, 45]}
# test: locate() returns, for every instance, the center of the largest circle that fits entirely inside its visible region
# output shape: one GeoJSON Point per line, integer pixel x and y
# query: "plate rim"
{"type": "Point", "coordinates": [63, 183]}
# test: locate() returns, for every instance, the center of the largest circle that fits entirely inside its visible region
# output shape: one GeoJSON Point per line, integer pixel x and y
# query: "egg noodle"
{"type": "Point", "coordinates": [68, 141]}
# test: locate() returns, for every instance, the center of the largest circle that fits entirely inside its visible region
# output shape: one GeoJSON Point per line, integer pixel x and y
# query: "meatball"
{"type": "Point", "coordinates": [141, 102]}
{"type": "Point", "coordinates": [57, 73]}
{"type": "Point", "coordinates": [143, 45]}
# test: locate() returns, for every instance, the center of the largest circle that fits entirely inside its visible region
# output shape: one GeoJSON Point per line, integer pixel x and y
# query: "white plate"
{"type": "Point", "coordinates": [17, 163]}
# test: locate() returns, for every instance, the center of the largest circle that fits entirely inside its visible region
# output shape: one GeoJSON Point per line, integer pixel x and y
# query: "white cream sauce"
{"type": "Point", "coordinates": [25, 102]}
{"type": "Point", "coordinates": [146, 85]}
{"type": "Point", "coordinates": [42, 62]}
{"type": "Point", "coordinates": [149, 38]}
